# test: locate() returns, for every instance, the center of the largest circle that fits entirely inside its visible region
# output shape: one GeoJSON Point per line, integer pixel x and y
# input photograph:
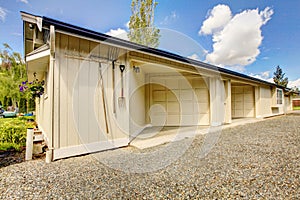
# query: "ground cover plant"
{"type": "Point", "coordinates": [13, 132]}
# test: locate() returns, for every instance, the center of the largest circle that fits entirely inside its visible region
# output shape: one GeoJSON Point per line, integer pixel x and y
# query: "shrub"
{"type": "Point", "coordinates": [13, 131]}
{"type": "Point", "coordinates": [6, 146]}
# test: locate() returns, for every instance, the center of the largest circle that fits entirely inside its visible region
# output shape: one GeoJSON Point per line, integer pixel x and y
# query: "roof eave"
{"type": "Point", "coordinates": [130, 45]}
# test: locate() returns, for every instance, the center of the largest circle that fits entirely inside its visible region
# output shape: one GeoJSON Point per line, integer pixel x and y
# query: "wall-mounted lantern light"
{"type": "Point", "coordinates": [136, 69]}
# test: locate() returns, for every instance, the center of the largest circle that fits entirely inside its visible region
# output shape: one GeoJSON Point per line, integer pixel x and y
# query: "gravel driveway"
{"type": "Point", "coordinates": [253, 161]}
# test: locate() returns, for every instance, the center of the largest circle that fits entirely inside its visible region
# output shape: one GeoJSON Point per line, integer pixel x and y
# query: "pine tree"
{"type": "Point", "coordinates": [141, 25]}
{"type": "Point", "coordinates": [279, 78]}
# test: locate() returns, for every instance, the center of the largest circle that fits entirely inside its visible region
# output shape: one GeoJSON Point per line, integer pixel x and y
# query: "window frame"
{"type": "Point", "coordinates": [279, 96]}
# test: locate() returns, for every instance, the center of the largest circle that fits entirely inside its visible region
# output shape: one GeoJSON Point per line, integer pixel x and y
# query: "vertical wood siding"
{"type": "Point", "coordinates": [81, 114]}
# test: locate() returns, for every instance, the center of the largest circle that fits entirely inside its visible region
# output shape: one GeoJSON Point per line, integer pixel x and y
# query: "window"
{"type": "Point", "coordinates": [279, 96]}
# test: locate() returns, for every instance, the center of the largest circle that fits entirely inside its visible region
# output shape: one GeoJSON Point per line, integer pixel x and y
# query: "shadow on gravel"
{"type": "Point", "coordinates": [11, 157]}
{"type": "Point", "coordinates": [295, 112]}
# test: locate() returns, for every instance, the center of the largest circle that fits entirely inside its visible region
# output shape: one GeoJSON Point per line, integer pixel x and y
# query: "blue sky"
{"type": "Point", "coordinates": [252, 37]}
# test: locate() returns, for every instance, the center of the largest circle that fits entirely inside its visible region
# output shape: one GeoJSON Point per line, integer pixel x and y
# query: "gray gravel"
{"type": "Point", "coordinates": [254, 161]}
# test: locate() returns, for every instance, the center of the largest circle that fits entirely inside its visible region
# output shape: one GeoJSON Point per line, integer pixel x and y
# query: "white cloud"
{"type": "Point", "coordinates": [295, 83]}
{"type": "Point", "coordinates": [263, 76]}
{"type": "Point", "coordinates": [236, 39]}
{"type": "Point", "coordinates": [218, 17]}
{"type": "Point", "coordinates": [23, 1]}
{"type": "Point", "coordinates": [3, 13]}
{"type": "Point", "coordinates": [169, 18]}
{"type": "Point", "coordinates": [194, 57]}
{"type": "Point", "coordinates": [127, 24]}
{"type": "Point", "coordinates": [120, 33]}
{"type": "Point", "coordinates": [265, 58]}
{"type": "Point", "coordinates": [267, 76]}
{"type": "Point", "coordinates": [17, 34]}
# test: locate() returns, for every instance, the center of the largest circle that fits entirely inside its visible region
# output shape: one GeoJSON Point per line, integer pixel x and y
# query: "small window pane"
{"type": "Point", "coordinates": [279, 96]}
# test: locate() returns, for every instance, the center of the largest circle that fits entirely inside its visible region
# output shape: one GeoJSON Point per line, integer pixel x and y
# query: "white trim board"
{"type": "Point", "coordinates": [38, 55]}
{"type": "Point", "coordinates": [89, 148]}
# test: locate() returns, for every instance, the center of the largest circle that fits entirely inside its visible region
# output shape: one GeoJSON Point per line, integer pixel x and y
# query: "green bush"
{"type": "Point", "coordinates": [5, 146]}
{"type": "Point", "coordinates": [296, 108]}
{"type": "Point", "coordinates": [13, 131]}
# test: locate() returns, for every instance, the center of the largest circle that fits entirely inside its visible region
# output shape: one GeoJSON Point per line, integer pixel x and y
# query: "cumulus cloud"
{"type": "Point", "coordinates": [194, 57]}
{"type": "Point", "coordinates": [263, 76]}
{"type": "Point", "coordinates": [3, 13]}
{"type": "Point", "coordinates": [23, 1]}
{"type": "Point", "coordinates": [218, 17]}
{"type": "Point", "coordinates": [120, 33]}
{"type": "Point", "coordinates": [236, 39]}
{"type": "Point", "coordinates": [267, 76]}
{"type": "Point", "coordinates": [295, 83]}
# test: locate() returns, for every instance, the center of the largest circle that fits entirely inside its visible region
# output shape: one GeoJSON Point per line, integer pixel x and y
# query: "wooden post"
{"type": "Point", "coordinates": [49, 155]}
{"type": "Point", "coordinates": [29, 144]}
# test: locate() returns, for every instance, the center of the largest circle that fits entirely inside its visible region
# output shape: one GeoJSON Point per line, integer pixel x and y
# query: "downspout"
{"type": "Point", "coordinates": [49, 153]}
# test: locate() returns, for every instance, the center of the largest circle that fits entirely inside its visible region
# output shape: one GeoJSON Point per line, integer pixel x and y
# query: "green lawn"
{"type": "Point", "coordinates": [296, 108]}
{"type": "Point", "coordinates": [13, 132]}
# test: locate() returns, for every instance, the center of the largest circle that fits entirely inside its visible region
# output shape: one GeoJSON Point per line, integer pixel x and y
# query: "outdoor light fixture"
{"type": "Point", "coordinates": [136, 69]}
{"type": "Point", "coordinates": [31, 26]}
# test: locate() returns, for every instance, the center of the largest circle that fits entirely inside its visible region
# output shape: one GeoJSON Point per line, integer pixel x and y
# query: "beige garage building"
{"type": "Point", "coordinates": [101, 90]}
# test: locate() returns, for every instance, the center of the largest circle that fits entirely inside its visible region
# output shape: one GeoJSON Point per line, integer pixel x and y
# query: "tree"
{"type": "Point", "coordinates": [31, 104]}
{"type": "Point", "coordinates": [9, 101]}
{"type": "Point", "coordinates": [5, 102]}
{"type": "Point", "coordinates": [295, 89]}
{"type": "Point", "coordinates": [23, 105]}
{"type": "Point", "coordinates": [141, 24]}
{"type": "Point", "coordinates": [279, 78]}
{"type": "Point", "coordinates": [12, 73]}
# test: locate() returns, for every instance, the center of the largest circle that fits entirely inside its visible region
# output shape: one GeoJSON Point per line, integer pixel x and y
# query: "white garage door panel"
{"type": "Point", "coordinates": [159, 95]}
{"type": "Point", "coordinates": [201, 108]}
{"type": "Point", "coordinates": [184, 84]}
{"type": "Point", "coordinates": [242, 101]}
{"type": "Point", "coordinates": [187, 120]}
{"type": "Point", "coordinates": [202, 95]}
{"type": "Point", "coordinates": [239, 113]}
{"type": "Point", "coordinates": [186, 94]}
{"type": "Point", "coordinates": [248, 98]}
{"type": "Point", "coordinates": [187, 107]}
{"type": "Point", "coordinates": [157, 87]}
{"type": "Point", "coordinates": [182, 104]}
{"type": "Point", "coordinates": [173, 120]}
{"type": "Point", "coordinates": [158, 120]}
{"type": "Point", "coordinates": [172, 96]}
{"type": "Point", "coordinates": [249, 113]}
{"type": "Point", "coordinates": [173, 107]}
{"type": "Point", "coordinates": [202, 119]}
{"type": "Point", "coordinates": [248, 106]}
{"type": "Point", "coordinates": [159, 108]}
{"type": "Point", "coordinates": [239, 97]}
{"type": "Point", "coordinates": [248, 90]}
{"type": "Point", "coordinates": [239, 105]}
{"type": "Point", "coordinates": [172, 84]}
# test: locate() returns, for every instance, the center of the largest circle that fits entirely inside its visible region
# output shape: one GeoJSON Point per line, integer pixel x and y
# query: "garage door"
{"type": "Point", "coordinates": [242, 101]}
{"type": "Point", "coordinates": [178, 101]}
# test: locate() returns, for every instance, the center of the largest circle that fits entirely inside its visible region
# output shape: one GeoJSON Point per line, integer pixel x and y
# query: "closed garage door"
{"type": "Point", "coordinates": [178, 101]}
{"type": "Point", "coordinates": [242, 101]}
